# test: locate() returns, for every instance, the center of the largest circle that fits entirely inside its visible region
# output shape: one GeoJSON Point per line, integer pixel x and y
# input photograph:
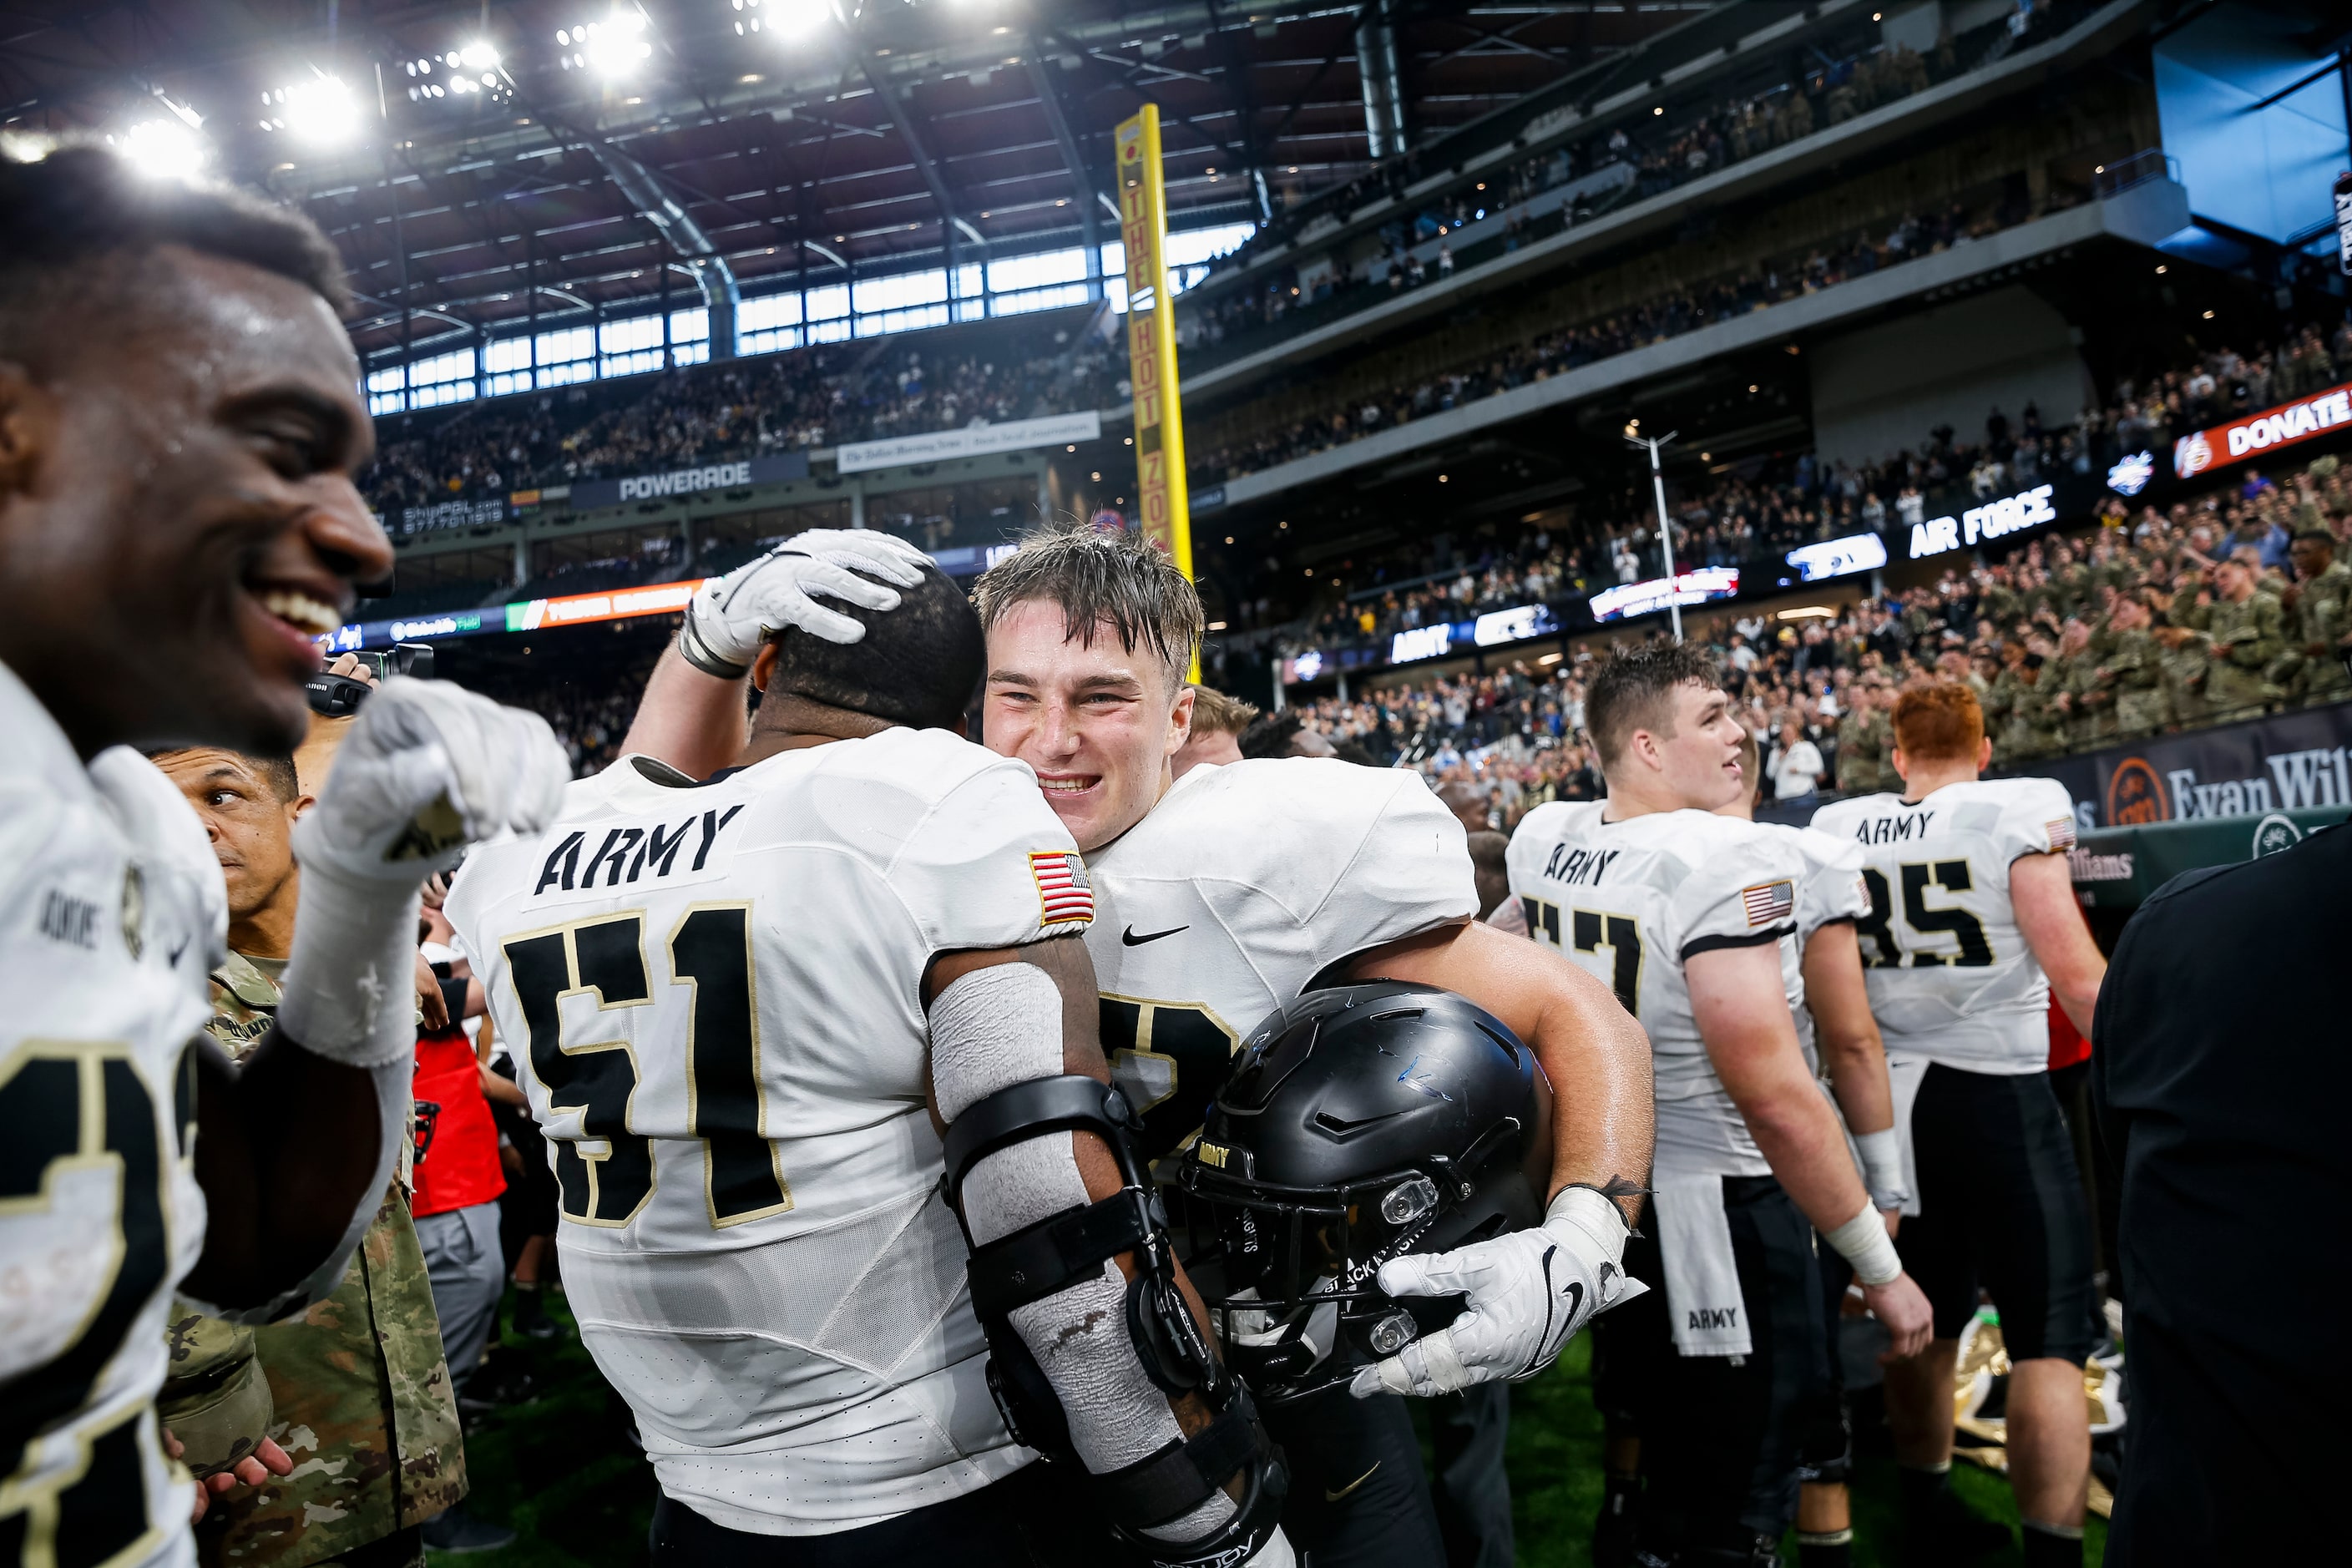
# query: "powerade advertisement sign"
{"type": "Point", "coordinates": [589, 494]}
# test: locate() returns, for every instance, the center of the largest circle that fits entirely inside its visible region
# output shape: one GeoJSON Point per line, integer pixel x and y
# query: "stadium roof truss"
{"type": "Point", "coordinates": [485, 165]}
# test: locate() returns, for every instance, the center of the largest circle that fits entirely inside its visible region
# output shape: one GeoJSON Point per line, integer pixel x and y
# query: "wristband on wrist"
{"type": "Point", "coordinates": [691, 648]}
{"type": "Point", "coordinates": [1881, 1168]}
{"type": "Point", "coordinates": [1863, 1241]}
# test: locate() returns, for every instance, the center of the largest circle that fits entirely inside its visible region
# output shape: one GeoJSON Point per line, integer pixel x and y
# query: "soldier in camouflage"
{"type": "Point", "coordinates": [2245, 635]}
{"type": "Point", "coordinates": [361, 1399]}
{"type": "Point", "coordinates": [2321, 602]}
{"type": "Point", "coordinates": [2133, 673]}
{"type": "Point", "coordinates": [1858, 741]}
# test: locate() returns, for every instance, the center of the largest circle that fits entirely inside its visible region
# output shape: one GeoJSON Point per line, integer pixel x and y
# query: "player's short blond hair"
{"type": "Point", "coordinates": [1938, 722]}
{"type": "Point", "coordinates": [1212, 710]}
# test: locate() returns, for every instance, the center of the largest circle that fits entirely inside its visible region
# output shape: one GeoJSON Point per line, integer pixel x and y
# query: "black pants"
{"type": "Point", "coordinates": [2001, 1206]}
{"type": "Point", "coordinates": [1721, 1434]}
{"type": "Point", "coordinates": [1040, 1516]}
{"type": "Point", "coordinates": [1470, 1431]}
{"type": "Point", "coordinates": [1358, 1497]}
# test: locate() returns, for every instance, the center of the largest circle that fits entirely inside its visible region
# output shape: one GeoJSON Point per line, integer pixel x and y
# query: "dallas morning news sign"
{"type": "Point", "coordinates": [973, 441]}
{"type": "Point", "coordinates": [587, 495]}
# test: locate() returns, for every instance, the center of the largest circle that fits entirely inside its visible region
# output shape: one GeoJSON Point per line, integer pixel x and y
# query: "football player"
{"type": "Point", "coordinates": [1691, 918]}
{"type": "Point", "coordinates": [1223, 895]}
{"type": "Point", "coordinates": [179, 425]}
{"type": "Point", "coordinates": [732, 1001]}
{"type": "Point", "coordinates": [1973, 924]}
{"type": "Point", "coordinates": [1840, 1039]}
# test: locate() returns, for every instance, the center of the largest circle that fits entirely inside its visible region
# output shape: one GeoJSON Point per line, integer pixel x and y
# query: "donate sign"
{"type": "Point", "coordinates": [2282, 426]}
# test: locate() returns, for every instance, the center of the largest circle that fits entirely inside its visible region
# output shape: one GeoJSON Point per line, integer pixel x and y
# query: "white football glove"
{"type": "Point", "coordinates": [426, 769]}
{"type": "Point", "coordinates": [728, 620]}
{"type": "Point", "coordinates": [1527, 1291]}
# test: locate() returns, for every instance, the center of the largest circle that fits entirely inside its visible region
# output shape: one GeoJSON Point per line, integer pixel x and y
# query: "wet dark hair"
{"type": "Point", "coordinates": [80, 230]}
{"type": "Point", "coordinates": [1635, 690]}
{"type": "Point", "coordinates": [1098, 578]}
{"type": "Point", "coordinates": [918, 665]}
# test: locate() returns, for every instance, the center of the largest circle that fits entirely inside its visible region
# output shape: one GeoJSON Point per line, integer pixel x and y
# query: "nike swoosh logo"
{"type": "Point", "coordinates": [1132, 939]}
{"type": "Point", "coordinates": [1330, 1496]}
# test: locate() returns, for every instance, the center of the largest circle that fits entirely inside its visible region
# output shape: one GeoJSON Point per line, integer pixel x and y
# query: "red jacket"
{"type": "Point", "coordinates": [456, 1141]}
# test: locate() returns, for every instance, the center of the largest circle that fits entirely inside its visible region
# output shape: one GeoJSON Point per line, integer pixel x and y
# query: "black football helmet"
{"type": "Point", "coordinates": [1359, 1124]}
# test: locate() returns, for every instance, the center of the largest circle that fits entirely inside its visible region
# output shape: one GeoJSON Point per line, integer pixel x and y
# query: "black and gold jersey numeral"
{"type": "Point", "coordinates": [743, 1176]}
{"type": "Point", "coordinates": [1592, 929]}
{"type": "Point", "coordinates": [1180, 1054]}
{"type": "Point", "coordinates": [68, 1106]}
{"type": "Point", "coordinates": [605, 1170]}
{"type": "Point", "coordinates": [1975, 951]}
{"type": "Point", "coordinates": [1886, 951]}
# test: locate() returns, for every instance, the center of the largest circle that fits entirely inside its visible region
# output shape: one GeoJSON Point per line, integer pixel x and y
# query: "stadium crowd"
{"type": "Point", "coordinates": [1762, 508]}
{"type": "Point", "coordinates": [2215, 611]}
{"type": "Point", "coordinates": [1751, 287]}
{"type": "Point", "coordinates": [1663, 158]}
{"type": "Point", "coordinates": [790, 402]}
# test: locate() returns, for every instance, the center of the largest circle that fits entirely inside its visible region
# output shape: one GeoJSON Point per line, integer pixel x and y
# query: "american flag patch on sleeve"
{"type": "Point", "coordinates": [2061, 831]}
{"type": "Point", "coordinates": [1064, 895]}
{"type": "Point", "coordinates": [1768, 903]}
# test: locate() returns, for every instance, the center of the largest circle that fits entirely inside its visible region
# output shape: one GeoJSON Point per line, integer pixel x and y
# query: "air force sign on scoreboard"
{"type": "Point", "coordinates": [2011, 514]}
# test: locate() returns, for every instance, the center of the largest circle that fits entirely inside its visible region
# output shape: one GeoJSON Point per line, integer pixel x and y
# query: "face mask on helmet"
{"type": "Point", "coordinates": [1359, 1124]}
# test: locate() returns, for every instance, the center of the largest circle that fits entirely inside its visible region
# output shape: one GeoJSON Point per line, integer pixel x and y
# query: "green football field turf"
{"type": "Point", "coordinates": [560, 1469]}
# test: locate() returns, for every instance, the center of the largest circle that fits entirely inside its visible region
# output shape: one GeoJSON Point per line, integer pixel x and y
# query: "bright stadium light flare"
{"type": "Point", "coordinates": [321, 111]}
{"type": "Point", "coordinates": [163, 150]}
{"type": "Point", "coordinates": [614, 46]}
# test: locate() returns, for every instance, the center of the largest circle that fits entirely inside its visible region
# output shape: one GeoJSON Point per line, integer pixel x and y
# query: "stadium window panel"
{"type": "Point", "coordinates": [442, 379]}
{"type": "Point", "coordinates": [1029, 300]}
{"type": "Point", "coordinates": [685, 326]}
{"type": "Point", "coordinates": [505, 366]}
{"type": "Point", "coordinates": [638, 332]}
{"type": "Point", "coordinates": [1022, 272]}
{"type": "Point", "coordinates": [826, 303]}
{"type": "Point", "coordinates": [567, 356]}
{"type": "Point", "coordinates": [900, 293]}
{"type": "Point", "coordinates": [833, 331]}
{"type": "Point", "coordinates": [768, 324]}
{"type": "Point", "coordinates": [909, 321]}
{"type": "Point", "coordinates": [1198, 246]}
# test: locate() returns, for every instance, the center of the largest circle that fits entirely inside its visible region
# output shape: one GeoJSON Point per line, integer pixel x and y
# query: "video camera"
{"type": "Point", "coordinates": [339, 696]}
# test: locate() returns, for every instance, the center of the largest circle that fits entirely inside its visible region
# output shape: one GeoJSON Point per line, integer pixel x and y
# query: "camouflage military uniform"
{"type": "Point", "coordinates": [2245, 638]}
{"type": "Point", "coordinates": [364, 1402]}
{"type": "Point", "coordinates": [2323, 612]}
{"type": "Point", "coordinates": [2089, 716]}
{"type": "Point", "coordinates": [1859, 748]}
{"type": "Point", "coordinates": [2134, 678]}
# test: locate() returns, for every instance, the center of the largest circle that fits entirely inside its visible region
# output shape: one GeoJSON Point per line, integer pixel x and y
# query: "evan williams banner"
{"type": "Point", "coordinates": [2272, 429]}
{"type": "Point", "coordinates": [2284, 762]}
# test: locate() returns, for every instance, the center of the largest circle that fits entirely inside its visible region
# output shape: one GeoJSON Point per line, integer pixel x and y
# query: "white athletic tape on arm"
{"type": "Point", "coordinates": [1881, 1168]}
{"type": "Point", "coordinates": [350, 992]}
{"type": "Point", "coordinates": [990, 1030]}
{"type": "Point", "coordinates": [1863, 1241]}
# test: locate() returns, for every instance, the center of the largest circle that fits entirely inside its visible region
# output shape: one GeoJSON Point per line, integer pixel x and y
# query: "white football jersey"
{"type": "Point", "coordinates": [1951, 980]}
{"type": "Point", "coordinates": [713, 995]}
{"type": "Point", "coordinates": [116, 914]}
{"type": "Point", "coordinates": [1630, 902]}
{"type": "Point", "coordinates": [1247, 882]}
{"type": "Point", "coordinates": [1833, 889]}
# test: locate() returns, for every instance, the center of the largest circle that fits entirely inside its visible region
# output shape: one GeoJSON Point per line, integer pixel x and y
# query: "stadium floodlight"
{"type": "Point", "coordinates": [163, 150]}
{"type": "Point", "coordinates": [789, 19]}
{"type": "Point", "coordinates": [614, 46]}
{"type": "Point", "coordinates": [321, 111]}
